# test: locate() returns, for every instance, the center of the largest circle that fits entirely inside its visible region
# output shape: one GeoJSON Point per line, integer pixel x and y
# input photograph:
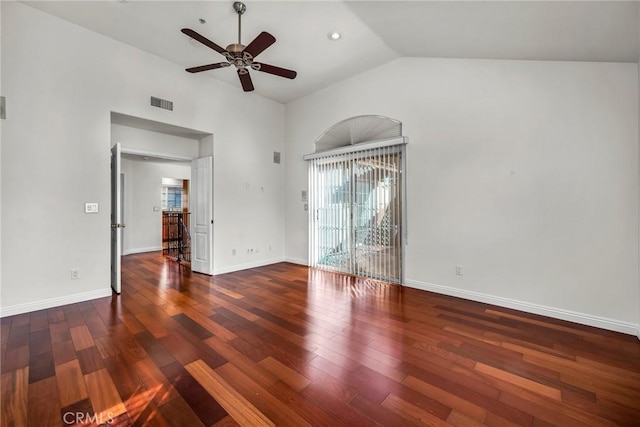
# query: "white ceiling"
{"type": "Point", "coordinates": [374, 32]}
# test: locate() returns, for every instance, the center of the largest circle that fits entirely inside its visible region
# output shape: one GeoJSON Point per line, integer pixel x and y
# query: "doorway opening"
{"type": "Point", "coordinates": [158, 162]}
{"type": "Point", "coordinates": [176, 236]}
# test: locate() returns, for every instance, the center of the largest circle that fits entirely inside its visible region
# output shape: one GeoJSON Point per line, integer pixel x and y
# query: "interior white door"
{"type": "Point", "coordinates": [116, 219]}
{"type": "Point", "coordinates": [202, 215]}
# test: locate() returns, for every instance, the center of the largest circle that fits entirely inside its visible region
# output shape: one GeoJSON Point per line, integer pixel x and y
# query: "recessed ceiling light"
{"type": "Point", "coordinates": [334, 35]}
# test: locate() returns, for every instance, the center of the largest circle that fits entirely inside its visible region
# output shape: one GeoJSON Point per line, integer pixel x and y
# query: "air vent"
{"type": "Point", "coordinates": [276, 157]}
{"type": "Point", "coordinates": [161, 103]}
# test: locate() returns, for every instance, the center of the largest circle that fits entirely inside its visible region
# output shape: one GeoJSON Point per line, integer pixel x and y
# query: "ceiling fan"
{"type": "Point", "coordinates": [240, 55]}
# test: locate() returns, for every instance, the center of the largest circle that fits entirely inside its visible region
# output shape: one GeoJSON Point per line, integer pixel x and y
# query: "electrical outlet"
{"type": "Point", "coordinates": [458, 270]}
{"type": "Point", "coordinates": [233, 252]}
{"type": "Point", "coordinates": [75, 273]}
{"type": "Point", "coordinates": [250, 251]}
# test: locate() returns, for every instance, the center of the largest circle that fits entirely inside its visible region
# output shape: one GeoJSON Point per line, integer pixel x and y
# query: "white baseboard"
{"type": "Point", "coordinates": [299, 261]}
{"type": "Point", "coordinates": [53, 302]}
{"type": "Point", "coordinates": [246, 266]}
{"type": "Point", "coordinates": [141, 250]}
{"type": "Point", "coordinates": [557, 313]}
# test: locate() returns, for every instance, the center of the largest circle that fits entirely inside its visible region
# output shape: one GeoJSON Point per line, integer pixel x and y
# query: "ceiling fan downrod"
{"type": "Point", "coordinates": [240, 9]}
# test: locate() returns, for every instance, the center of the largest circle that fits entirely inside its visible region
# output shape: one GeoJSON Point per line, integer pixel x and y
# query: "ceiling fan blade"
{"type": "Point", "coordinates": [202, 39]}
{"type": "Point", "coordinates": [259, 44]}
{"type": "Point", "coordinates": [245, 79]}
{"type": "Point", "coordinates": [207, 67]}
{"type": "Point", "coordinates": [277, 71]}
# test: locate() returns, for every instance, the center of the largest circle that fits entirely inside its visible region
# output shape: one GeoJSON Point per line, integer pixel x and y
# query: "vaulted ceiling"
{"type": "Point", "coordinates": [373, 33]}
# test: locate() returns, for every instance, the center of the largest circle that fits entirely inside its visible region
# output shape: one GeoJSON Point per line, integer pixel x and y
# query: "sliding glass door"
{"type": "Point", "coordinates": [356, 212]}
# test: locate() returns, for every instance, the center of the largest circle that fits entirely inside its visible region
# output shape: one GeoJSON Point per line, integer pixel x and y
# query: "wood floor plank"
{"type": "Point", "coordinates": [150, 416]}
{"type": "Point", "coordinates": [519, 381]}
{"type": "Point", "coordinates": [265, 402]}
{"type": "Point", "coordinates": [5, 328]}
{"type": "Point", "coordinates": [90, 360]}
{"type": "Point", "coordinates": [124, 376]}
{"type": "Point", "coordinates": [411, 412]}
{"type": "Point", "coordinates": [41, 366]}
{"type": "Point", "coordinates": [284, 373]}
{"type": "Point", "coordinates": [15, 388]}
{"type": "Point", "coordinates": [154, 381]}
{"type": "Point", "coordinates": [247, 365]}
{"type": "Point", "coordinates": [336, 407]}
{"type": "Point", "coordinates": [289, 345]}
{"type": "Point", "coordinates": [59, 331]}
{"type": "Point", "coordinates": [76, 414]}
{"type": "Point", "coordinates": [15, 358]}
{"type": "Point", "coordinates": [152, 325]}
{"type": "Point", "coordinates": [81, 337]}
{"type": "Point", "coordinates": [178, 413]}
{"type": "Point", "coordinates": [240, 409]}
{"type": "Point", "coordinates": [132, 323]}
{"type": "Point", "coordinates": [155, 349]}
{"type": "Point", "coordinates": [461, 420]}
{"type": "Point", "coordinates": [71, 384]}
{"type": "Point", "coordinates": [208, 410]}
{"type": "Point", "coordinates": [208, 324]}
{"type": "Point", "coordinates": [460, 405]}
{"type": "Point", "coordinates": [38, 320]}
{"type": "Point", "coordinates": [44, 404]}
{"type": "Point", "coordinates": [63, 351]}
{"type": "Point", "coordinates": [104, 395]}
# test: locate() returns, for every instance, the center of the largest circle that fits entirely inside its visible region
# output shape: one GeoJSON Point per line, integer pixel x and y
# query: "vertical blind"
{"type": "Point", "coordinates": [356, 212]}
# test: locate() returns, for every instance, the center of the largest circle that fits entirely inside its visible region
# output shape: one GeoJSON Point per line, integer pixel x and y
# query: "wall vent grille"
{"type": "Point", "coordinates": [161, 103]}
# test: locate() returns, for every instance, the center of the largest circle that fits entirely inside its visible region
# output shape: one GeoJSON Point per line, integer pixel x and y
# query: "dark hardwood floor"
{"type": "Point", "coordinates": [286, 345]}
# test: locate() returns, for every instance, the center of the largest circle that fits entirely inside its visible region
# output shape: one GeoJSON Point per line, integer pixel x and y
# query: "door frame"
{"type": "Point", "coordinates": [205, 139]}
{"type": "Point", "coordinates": [116, 219]}
{"type": "Point", "coordinates": [201, 221]}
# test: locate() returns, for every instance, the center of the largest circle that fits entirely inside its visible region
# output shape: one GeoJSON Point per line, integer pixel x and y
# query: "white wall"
{"type": "Point", "coordinates": [62, 82]}
{"type": "Point", "coordinates": [1, 124]}
{"type": "Point", "coordinates": [523, 172]}
{"type": "Point", "coordinates": [140, 140]}
{"type": "Point", "coordinates": [142, 192]}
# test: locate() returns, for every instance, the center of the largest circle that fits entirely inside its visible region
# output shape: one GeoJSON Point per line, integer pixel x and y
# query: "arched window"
{"type": "Point", "coordinates": [357, 198]}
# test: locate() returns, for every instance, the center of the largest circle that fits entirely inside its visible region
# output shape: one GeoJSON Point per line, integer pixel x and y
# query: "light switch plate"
{"type": "Point", "coordinates": [90, 208]}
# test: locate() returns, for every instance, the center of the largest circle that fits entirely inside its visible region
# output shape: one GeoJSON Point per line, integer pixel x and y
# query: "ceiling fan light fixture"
{"type": "Point", "coordinates": [334, 36]}
{"type": "Point", "coordinates": [240, 56]}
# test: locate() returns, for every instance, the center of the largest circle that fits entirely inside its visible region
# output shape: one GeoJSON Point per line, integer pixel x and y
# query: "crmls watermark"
{"type": "Point", "coordinates": [71, 418]}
